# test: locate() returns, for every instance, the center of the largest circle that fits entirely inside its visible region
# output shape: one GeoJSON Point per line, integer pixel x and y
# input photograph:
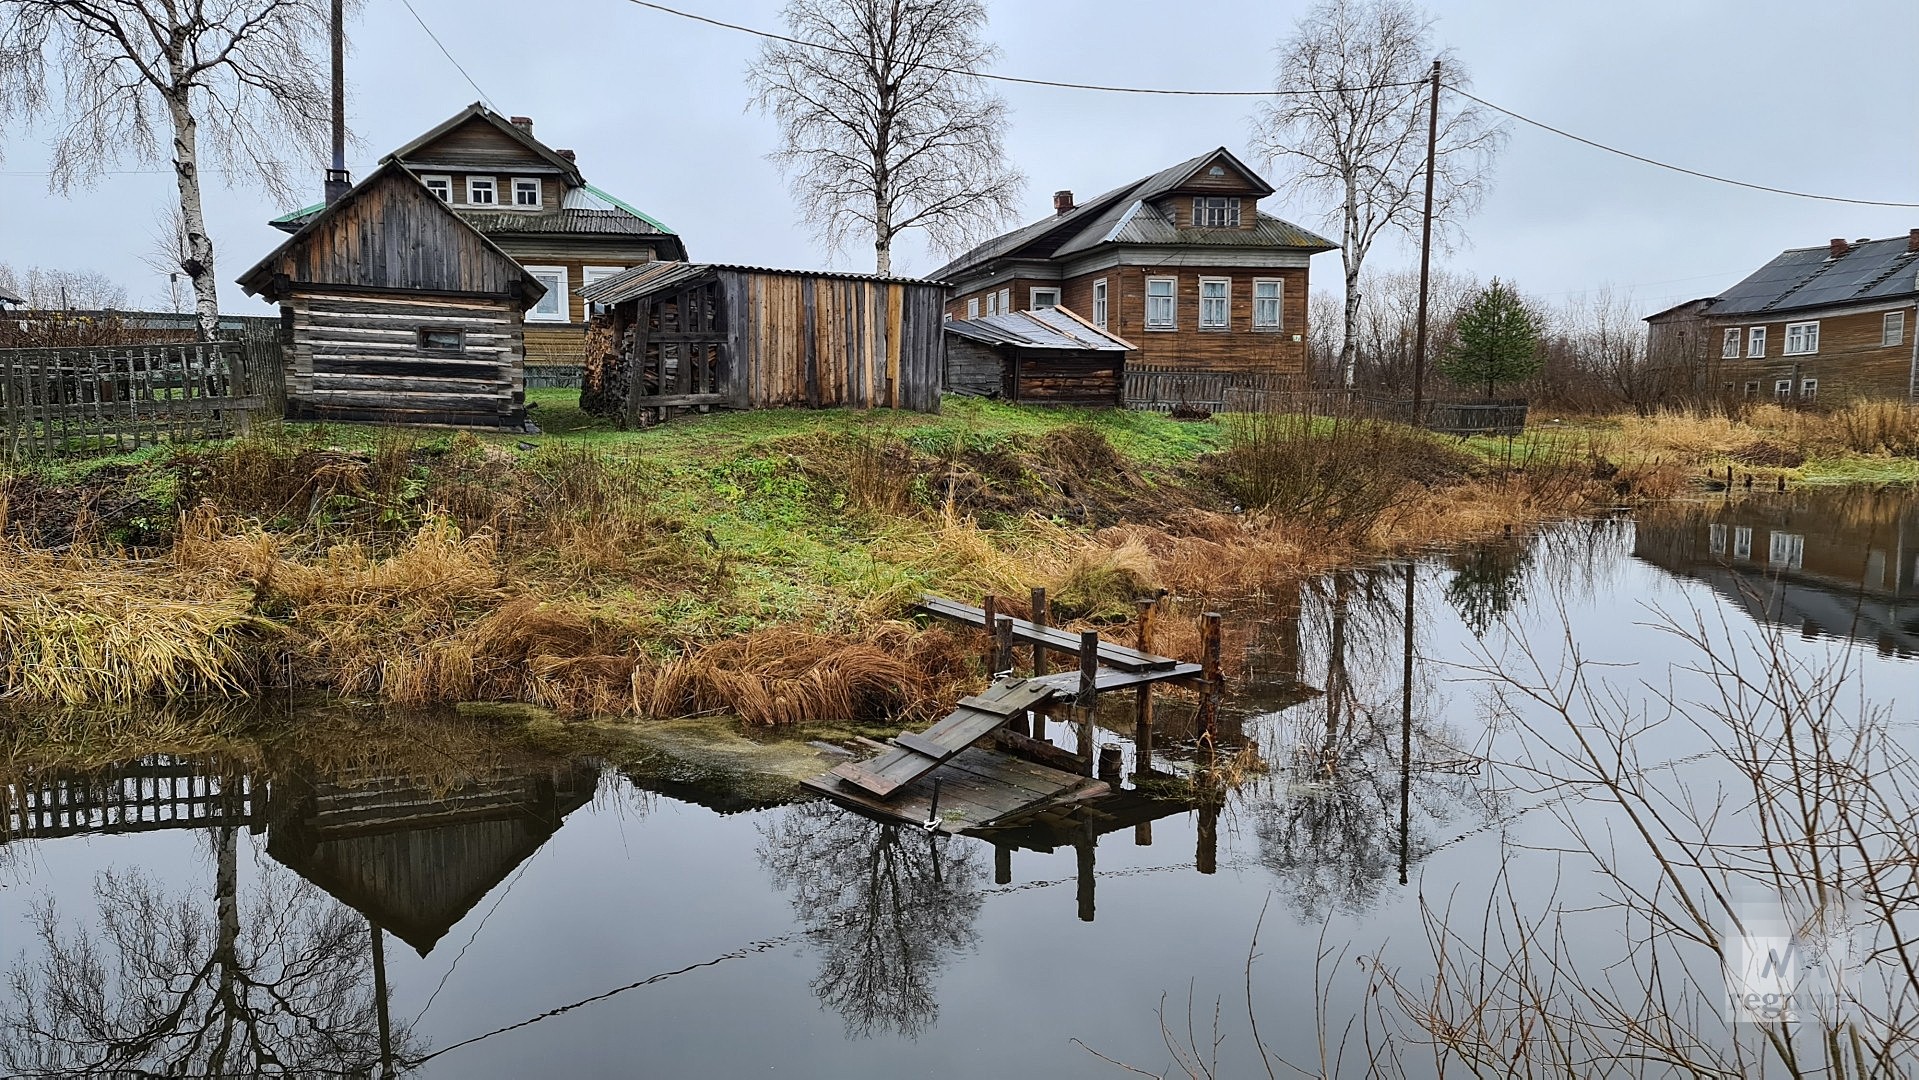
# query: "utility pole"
{"type": "Point", "coordinates": [337, 180]}
{"type": "Point", "coordinates": [1425, 254]}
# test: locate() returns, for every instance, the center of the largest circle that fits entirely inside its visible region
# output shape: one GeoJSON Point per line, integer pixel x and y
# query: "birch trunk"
{"type": "Point", "coordinates": [198, 263]}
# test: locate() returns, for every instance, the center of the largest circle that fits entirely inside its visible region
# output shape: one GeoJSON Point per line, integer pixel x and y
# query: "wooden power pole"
{"type": "Point", "coordinates": [1425, 254]}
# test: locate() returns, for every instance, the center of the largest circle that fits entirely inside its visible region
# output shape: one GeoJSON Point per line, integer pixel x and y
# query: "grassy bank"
{"type": "Point", "coordinates": [759, 564]}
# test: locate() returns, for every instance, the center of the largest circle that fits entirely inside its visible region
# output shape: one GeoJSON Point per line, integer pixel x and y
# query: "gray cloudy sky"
{"type": "Point", "coordinates": [1815, 97]}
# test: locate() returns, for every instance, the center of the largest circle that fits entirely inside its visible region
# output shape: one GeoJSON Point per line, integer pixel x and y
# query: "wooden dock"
{"type": "Point", "coordinates": [988, 763]}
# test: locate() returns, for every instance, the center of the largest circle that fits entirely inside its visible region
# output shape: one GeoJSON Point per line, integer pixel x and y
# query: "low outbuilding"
{"type": "Point", "coordinates": [399, 311]}
{"type": "Point", "coordinates": [1047, 356]}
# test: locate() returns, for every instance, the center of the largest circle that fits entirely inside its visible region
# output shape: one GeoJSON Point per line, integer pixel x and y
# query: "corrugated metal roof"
{"type": "Point", "coordinates": [561, 222]}
{"type": "Point", "coordinates": [648, 278]}
{"type": "Point", "coordinates": [1810, 278]}
{"type": "Point", "coordinates": [1144, 223]}
{"type": "Point", "coordinates": [1044, 328]}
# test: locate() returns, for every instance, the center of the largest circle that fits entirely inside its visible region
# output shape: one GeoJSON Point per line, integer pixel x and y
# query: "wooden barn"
{"type": "Point", "coordinates": [1048, 356]}
{"type": "Point", "coordinates": [399, 311]}
{"type": "Point", "coordinates": [697, 335]}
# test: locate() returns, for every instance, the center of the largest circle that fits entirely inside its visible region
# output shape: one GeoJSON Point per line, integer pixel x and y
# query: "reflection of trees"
{"type": "Point", "coordinates": [283, 985]}
{"type": "Point", "coordinates": [1489, 581]}
{"type": "Point", "coordinates": [885, 905]}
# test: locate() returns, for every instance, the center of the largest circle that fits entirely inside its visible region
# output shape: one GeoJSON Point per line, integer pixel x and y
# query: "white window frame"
{"type": "Point", "coordinates": [492, 188]}
{"type": "Point", "coordinates": [1033, 296]}
{"type": "Point", "coordinates": [1892, 331]}
{"type": "Point", "coordinates": [1716, 539]}
{"type": "Point", "coordinates": [972, 307]}
{"type": "Point", "coordinates": [1752, 389]}
{"type": "Point", "coordinates": [1277, 300]}
{"type": "Point", "coordinates": [564, 299]}
{"type": "Point", "coordinates": [1228, 211]}
{"type": "Point", "coordinates": [1171, 298]}
{"type": "Point", "coordinates": [1802, 338]}
{"type": "Point", "coordinates": [1099, 303]}
{"type": "Point", "coordinates": [539, 192]}
{"type": "Point", "coordinates": [992, 303]}
{"type": "Point", "coordinates": [1223, 303]}
{"type": "Point", "coordinates": [1808, 389]}
{"type": "Point", "coordinates": [1006, 301]}
{"type": "Point", "coordinates": [1742, 541]}
{"type": "Point", "coordinates": [1786, 551]}
{"type": "Point", "coordinates": [591, 274]}
{"type": "Point", "coordinates": [1756, 343]}
{"type": "Point", "coordinates": [1782, 389]}
{"type": "Point", "coordinates": [1729, 347]}
{"type": "Point", "coordinates": [444, 181]}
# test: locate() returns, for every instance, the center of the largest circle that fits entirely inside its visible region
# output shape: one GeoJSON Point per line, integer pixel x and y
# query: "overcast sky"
{"type": "Point", "coordinates": [1813, 97]}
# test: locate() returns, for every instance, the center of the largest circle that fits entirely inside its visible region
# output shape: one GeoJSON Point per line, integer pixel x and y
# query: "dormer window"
{"type": "Point", "coordinates": [1215, 212]}
{"type": "Point", "coordinates": [526, 193]}
{"type": "Point", "coordinates": [482, 190]}
{"type": "Point", "coordinates": [440, 186]}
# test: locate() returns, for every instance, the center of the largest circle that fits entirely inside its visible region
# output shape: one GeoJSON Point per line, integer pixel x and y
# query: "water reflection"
{"type": "Point", "coordinates": [1842, 562]}
{"type": "Point", "coordinates": [886, 907]}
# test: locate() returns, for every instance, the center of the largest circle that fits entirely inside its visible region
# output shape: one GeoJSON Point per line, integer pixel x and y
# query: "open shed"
{"type": "Point", "coordinates": [1047, 356]}
{"type": "Point", "coordinates": [399, 311]}
{"type": "Point", "coordinates": [704, 335]}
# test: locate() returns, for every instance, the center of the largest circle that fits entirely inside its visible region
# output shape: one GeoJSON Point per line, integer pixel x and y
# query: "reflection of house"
{"type": "Point", "coordinates": [533, 201]}
{"type": "Point", "coordinates": [414, 861]}
{"type": "Point", "coordinates": [1815, 323]}
{"type": "Point", "coordinates": [1843, 563]}
{"type": "Point", "coordinates": [1049, 355]}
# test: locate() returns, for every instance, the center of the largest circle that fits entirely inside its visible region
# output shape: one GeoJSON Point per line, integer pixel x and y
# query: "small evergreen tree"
{"type": "Point", "coordinates": [1495, 340]}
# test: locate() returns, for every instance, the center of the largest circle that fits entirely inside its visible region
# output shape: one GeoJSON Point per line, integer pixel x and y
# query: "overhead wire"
{"type": "Point", "coordinates": [449, 55]}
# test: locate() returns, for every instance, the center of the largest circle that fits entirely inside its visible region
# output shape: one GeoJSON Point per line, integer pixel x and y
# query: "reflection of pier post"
{"type": "Point", "coordinates": [1002, 864]}
{"type": "Point", "coordinates": [380, 1000]}
{"type": "Point", "coordinates": [1406, 735]}
{"type": "Point", "coordinates": [1143, 707]}
{"type": "Point", "coordinates": [1083, 848]}
{"type": "Point", "coordinates": [1206, 858]}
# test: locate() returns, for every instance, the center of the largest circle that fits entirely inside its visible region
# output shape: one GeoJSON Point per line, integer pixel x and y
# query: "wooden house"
{"type": "Point", "coordinates": [399, 311]}
{"type": "Point", "coordinates": [694, 335]}
{"type": "Point", "coordinates": [1815, 324]}
{"type": "Point", "coordinates": [1050, 356]}
{"type": "Point", "coordinates": [1183, 263]}
{"type": "Point", "coordinates": [534, 202]}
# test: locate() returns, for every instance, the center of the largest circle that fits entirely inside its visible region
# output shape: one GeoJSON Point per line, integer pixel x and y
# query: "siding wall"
{"type": "Point", "coordinates": [358, 357]}
{"type": "Point", "coordinates": [1851, 361]}
{"type": "Point", "coordinates": [800, 339]}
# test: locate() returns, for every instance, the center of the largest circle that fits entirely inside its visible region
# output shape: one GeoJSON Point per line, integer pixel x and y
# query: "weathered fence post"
{"type": "Point", "coordinates": [1003, 644]}
{"type": "Point", "coordinates": [1087, 701]}
{"type": "Point", "coordinates": [1143, 703]}
{"type": "Point", "coordinates": [1210, 681]}
{"type": "Point", "coordinates": [1039, 621]}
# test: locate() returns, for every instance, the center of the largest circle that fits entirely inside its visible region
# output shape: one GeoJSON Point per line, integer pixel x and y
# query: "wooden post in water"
{"type": "Point", "coordinates": [1143, 702]}
{"type": "Point", "coordinates": [1039, 621]}
{"type": "Point", "coordinates": [991, 607]}
{"type": "Point", "coordinates": [1206, 856]}
{"type": "Point", "coordinates": [1002, 864]}
{"type": "Point", "coordinates": [1083, 848]}
{"type": "Point", "coordinates": [1003, 644]}
{"type": "Point", "coordinates": [1210, 682]}
{"type": "Point", "coordinates": [1143, 834]}
{"type": "Point", "coordinates": [1088, 698]}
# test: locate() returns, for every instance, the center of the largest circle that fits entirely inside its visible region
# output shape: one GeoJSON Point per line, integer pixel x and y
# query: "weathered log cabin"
{"type": "Point", "coordinates": [399, 311]}
{"type": "Point", "coordinates": [1050, 357]}
{"type": "Point", "coordinates": [702, 336]}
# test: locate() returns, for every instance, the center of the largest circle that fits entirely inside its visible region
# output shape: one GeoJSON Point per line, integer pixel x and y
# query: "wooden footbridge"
{"type": "Point", "coordinates": [990, 762]}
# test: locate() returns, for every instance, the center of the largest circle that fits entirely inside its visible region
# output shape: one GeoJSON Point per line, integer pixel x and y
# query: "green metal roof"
{"type": "Point", "coordinates": [629, 208]}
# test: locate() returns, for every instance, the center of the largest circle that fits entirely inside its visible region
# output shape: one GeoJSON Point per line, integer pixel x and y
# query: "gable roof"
{"type": "Point", "coordinates": [1044, 328]}
{"type": "Point", "coordinates": [260, 279]}
{"type": "Point", "coordinates": [649, 278]}
{"type": "Point", "coordinates": [1125, 215]}
{"type": "Point", "coordinates": [478, 111]}
{"type": "Point", "coordinates": [1802, 278]}
{"type": "Point", "coordinates": [8, 298]}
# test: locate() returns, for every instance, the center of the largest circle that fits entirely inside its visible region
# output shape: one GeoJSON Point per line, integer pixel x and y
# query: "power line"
{"type": "Point", "coordinates": [1677, 168]}
{"type": "Point", "coordinates": [449, 55]}
{"type": "Point", "coordinates": [770, 36]}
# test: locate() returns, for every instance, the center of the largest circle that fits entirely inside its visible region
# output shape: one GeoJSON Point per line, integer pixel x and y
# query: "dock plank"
{"type": "Point", "coordinates": [1117, 656]}
{"type": "Point", "coordinates": [1067, 682]}
{"type": "Point", "coordinates": [977, 788]}
{"type": "Point", "coordinates": [915, 755]}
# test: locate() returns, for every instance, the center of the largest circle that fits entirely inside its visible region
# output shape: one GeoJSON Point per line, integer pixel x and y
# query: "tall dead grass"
{"type": "Point", "coordinates": [1340, 473]}
{"type": "Point", "coordinates": [1860, 427]}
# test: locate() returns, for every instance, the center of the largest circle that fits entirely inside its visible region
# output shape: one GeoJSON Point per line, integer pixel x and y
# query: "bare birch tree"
{"type": "Point", "coordinates": [886, 125]}
{"type": "Point", "coordinates": [1350, 123]}
{"type": "Point", "coordinates": [241, 81]}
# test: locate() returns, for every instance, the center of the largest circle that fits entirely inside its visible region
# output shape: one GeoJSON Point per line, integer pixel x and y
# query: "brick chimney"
{"type": "Point", "coordinates": [524, 123]}
{"type": "Point", "coordinates": [567, 154]}
{"type": "Point", "coordinates": [1839, 247]}
{"type": "Point", "coordinates": [1062, 202]}
{"type": "Point", "coordinates": [1912, 240]}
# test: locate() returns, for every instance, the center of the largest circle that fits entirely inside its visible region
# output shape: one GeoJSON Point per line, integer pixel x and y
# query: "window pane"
{"type": "Point", "coordinates": [550, 303]}
{"type": "Point", "coordinates": [1895, 328]}
{"type": "Point", "coordinates": [1731, 348]}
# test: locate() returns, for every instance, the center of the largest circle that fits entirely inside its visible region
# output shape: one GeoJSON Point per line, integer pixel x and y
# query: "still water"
{"type": "Point", "coordinates": [375, 912]}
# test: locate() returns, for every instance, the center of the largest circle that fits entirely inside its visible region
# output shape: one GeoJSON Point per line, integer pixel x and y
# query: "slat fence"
{"type": "Point", "coordinates": [1164, 389]}
{"type": "Point", "coordinates": [62, 401]}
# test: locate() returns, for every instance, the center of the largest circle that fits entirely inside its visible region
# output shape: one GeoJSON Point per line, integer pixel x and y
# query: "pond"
{"type": "Point", "coordinates": [396, 910]}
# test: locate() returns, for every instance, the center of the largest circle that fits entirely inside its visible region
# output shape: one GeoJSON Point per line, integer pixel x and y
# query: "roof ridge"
{"type": "Point", "coordinates": [629, 208]}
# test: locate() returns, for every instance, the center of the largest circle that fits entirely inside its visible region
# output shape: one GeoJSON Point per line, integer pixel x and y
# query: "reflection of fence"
{"type": "Point", "coordinates": [157, 792]}
{"type": "Point", "coordinates": [1163, 389]}
{"type": "Point", "coordinates": [54, 401]}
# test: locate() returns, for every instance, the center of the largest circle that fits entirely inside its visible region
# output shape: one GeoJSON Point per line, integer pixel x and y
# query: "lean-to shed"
{"type": "Point", "coordinates": [705, 335]}
{"type": "Point", "coordinates": [1047, 356]}
{"type": "Point", "coordinates": [399, 311]}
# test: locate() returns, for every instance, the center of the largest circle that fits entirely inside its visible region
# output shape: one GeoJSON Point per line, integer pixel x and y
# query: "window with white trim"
{"type": "Point", "coordinates": [1716, 539]}
{"type": "Point", "coordinates": [972, 307]}
{"type": "Point", "coordinates": [1267, 293]}
{"type": "Point", "coordinates": [1215, 212]}
{"type": "Point", "coordinates": [1099, 303]}
{"type": "Point", "coordinates": [1742, 541]}
{"type": "Point", "coordinates": [1215, 303]}
{"type": "Point", "coordinates": [1006, 301]}
{"type": "Point", "coordinates": [591, 274]}
{"type": "Point", "coordinates": [1756, 342]}
{"type": "Point", "coordinates": [440, 186]}
{"type": "Point", "coordinates": [1729, 350]}
{"type": "Point", "coordinates": [1808, 389]}
{"type": "Point", "coordinates": [1782, 390]}
{"type": "Point", "coordinates": [553, 306]}
{"type": "Point", "coordinates": [1786, 550]}
{"type": "Point", "coordinates": [1752, 389]}
{"type": "Point", "coordinates": [526, 193]}
{"type": "Point", "coordinates": [1161, 297]}
{"type": "Point", "coordinates": [482, 191]}
{"type": "Point", "coordinates": [992, 303]}
{"type": "Point", "coordinates": [1893, 331]}
{"type": "Point", "coordinates": [1043, 298]}
{"type": "Point", "coordinates": [1802, 338]}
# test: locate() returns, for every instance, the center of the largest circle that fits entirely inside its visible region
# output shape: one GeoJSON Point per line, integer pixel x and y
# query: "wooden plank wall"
{"type": "Point", "coordinates": [397, 235]}
{"type": "Point", "coordinates": [811, 340]}
{"type": "Point", "coordinates": [972, 367]}
{"type": "Point", "coordinates": [358, 357]}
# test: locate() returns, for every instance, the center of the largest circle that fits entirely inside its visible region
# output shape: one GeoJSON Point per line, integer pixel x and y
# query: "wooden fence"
{"type": "Point", "coordinates": [60, 401]}
{"type": "Point", "coordinates": [1164, 389]}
